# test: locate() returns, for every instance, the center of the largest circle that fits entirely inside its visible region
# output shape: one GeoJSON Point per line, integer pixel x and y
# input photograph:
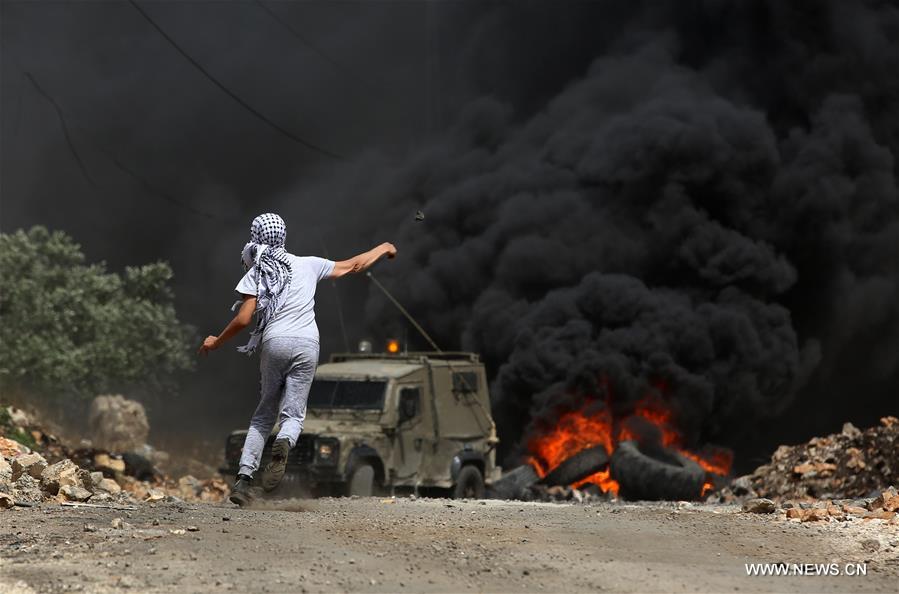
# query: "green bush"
{"type": "Point", "coordinates": [68, 328]}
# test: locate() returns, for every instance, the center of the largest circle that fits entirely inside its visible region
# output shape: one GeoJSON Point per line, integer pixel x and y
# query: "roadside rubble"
{"type": "Point", "coordinates": [883, 507]}
{"type": "Point", "coordinates": [53, 472]}
{"type": "Point", "coordinates": [848, 477]}
{"type": "Point", "coordinates": [852, 464]}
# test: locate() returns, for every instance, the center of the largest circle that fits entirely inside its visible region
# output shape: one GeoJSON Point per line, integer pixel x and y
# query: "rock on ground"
{"type": "Point", "coordinates": [5, 473]}
{"type": "Point", "coordinates": [10, 448]}
{"type": "Point", "coordinates": [33, 464]}
{"type": "Point", "coordinates": [759, 506]}
{"type": "Point", "coordinates": [118, 424]}
{"type": "Point", "coordinates": [107, 486]}
{"type": "Point", "coordinates": [58, 475]}
{"type": "Point", "coordinates": [27, 488]}
{"type": "Point", "coordinates": [74, 493]}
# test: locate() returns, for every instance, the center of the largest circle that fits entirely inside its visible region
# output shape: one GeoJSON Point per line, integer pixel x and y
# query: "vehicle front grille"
{"type": "Point", "coordinates": [302, 454]}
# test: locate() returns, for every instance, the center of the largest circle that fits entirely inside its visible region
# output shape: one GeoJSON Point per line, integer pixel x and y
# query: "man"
{"type": "Point", "coordinates": [279, 288]}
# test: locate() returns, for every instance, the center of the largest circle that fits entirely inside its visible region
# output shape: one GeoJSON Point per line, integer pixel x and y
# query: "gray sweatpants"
{"type": "Point", "coordinates": [287, 366]}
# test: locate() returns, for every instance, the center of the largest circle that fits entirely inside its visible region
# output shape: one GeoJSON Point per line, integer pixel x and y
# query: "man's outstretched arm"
{"type": "Point", "coordinates": [240, 321]}
{"type": "Point", "coordinates": [363, 261]}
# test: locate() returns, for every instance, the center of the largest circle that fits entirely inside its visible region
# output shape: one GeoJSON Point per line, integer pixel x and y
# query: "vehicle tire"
{"type": "Point", "coordinates": [577, 467]}
{"type": "Point", "coordinates": [469, 483]}
{"type": "Point", "coordinates": [362, 481]}
{"type": "Point", "coordinates": [658, 474]}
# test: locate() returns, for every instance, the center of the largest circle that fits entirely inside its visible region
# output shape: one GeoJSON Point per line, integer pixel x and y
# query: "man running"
{"type": "Point", "coordinates": [279, 288]}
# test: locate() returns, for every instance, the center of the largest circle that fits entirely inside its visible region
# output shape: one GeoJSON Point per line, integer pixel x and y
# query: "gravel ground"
{"type": "Point", "coordinates": [430, 545]}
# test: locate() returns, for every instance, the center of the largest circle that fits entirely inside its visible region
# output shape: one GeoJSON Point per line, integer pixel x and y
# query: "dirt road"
{"type": "Point", "coordinates": [428, 545]}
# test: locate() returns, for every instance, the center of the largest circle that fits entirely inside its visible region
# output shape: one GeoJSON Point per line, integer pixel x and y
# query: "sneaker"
{"type": "Point", "coordinates": [240, 493]}
{"type": "Point", "coordinates": [274, 470]}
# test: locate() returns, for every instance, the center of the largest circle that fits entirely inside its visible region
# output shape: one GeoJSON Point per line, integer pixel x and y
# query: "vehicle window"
{"type": "Point", "coordinates": [365, 395]}
{"type": "Point", "coordinates": [465, 381]}
{"type": "Point", "coordinates": [409, 403]}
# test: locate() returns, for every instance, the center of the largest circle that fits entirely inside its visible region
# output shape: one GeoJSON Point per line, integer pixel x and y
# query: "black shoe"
{"type": "Point", "coordinates": [240, 493]}
{"type": "Point", "coordinates": [274, 470]}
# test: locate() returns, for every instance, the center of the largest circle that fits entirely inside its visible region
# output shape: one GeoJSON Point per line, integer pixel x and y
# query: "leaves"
{"type": "Point", "coordinates": [68, 327]}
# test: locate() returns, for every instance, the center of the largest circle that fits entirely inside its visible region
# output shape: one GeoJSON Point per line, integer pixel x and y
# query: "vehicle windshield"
{"type": "Point", "coordinates": [357, 395]}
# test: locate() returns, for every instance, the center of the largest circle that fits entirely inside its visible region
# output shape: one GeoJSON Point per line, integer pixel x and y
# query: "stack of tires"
{"type": "Point", "coordinates": [642, 472]}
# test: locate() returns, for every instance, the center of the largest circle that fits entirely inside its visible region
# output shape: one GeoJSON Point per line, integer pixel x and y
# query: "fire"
{"type": "Point", "coordinates": [594, 425]}
{"type": "Point", "coordinates": [574, 432]}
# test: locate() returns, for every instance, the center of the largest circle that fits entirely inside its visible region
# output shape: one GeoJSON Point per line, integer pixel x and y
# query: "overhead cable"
{"type": "Point", "coordinates": [227, 91]}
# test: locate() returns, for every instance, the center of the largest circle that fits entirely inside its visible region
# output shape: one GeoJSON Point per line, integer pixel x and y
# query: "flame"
{"type": "Point", "coordinates": [591, 426]}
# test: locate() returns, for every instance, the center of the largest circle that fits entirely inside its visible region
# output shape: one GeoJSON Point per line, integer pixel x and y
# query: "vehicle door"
{"type": "Point", "coordinates": [412, 433]}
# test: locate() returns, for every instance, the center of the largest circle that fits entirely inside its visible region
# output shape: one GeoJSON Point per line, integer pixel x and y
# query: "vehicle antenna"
{"type": "Point", "coordinates": [433, 344]}
{"type": "Point", "coordinates": [403, 311]}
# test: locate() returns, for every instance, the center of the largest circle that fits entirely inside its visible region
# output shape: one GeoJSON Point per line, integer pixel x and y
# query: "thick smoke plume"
{"type": "Point", "coordinates": [695, 210]}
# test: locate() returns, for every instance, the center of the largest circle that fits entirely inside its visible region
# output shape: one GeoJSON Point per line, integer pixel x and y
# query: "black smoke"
{"type": "Point", "coordinates": [712, 204]}
{"type": "Point", "coordinates": [699, 193]}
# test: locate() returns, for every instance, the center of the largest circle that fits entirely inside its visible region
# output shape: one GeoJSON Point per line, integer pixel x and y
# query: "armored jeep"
{"type": "Point", "coordinates": [381, 423]}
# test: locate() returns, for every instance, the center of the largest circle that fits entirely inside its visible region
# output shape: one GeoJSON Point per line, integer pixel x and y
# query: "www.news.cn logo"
{"type": "Point", "coordinates": [796, 569]}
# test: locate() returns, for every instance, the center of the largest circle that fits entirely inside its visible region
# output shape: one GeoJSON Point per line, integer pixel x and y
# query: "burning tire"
{"type": "Point", "coordinates": [655, 474]}
{"type": "Point", "coordinates": [469, 483]}
{"type": "Point", "coordinates": [577, 467]}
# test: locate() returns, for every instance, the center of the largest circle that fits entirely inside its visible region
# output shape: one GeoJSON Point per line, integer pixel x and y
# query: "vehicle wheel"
{"type": "Point", "coordinates": [469, 483]}
{"type": "Point", "coordinates": [577, 467]}
{"type": "Point", "coordinates": [362, 481]}
{"type": "Point", "coordinates": [654, 475]}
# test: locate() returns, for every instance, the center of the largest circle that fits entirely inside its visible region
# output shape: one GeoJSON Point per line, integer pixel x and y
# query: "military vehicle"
{"type": "Point", "coordinates": [383, 423]}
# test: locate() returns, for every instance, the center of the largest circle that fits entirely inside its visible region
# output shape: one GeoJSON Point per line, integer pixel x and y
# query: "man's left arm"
{"type": "Point", "coordinates": [363, 261]}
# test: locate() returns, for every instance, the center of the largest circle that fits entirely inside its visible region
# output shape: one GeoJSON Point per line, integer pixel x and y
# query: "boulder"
{"type": "Point", "coordinates": [33, 464]}
{"type": "Point", "coordinates": [118, 424]}
{"type": "Point", "coordinates": [6, 501]}
{"type": "Point", "coordinates": [74, 493]}
{"type": "Point", "coordinates": [58, 475]}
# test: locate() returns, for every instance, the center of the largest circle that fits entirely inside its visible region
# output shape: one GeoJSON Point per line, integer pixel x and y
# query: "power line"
{"type": "Point", "coordinates": [65, 128]}
{"type": "Point", "coordinates": [96, 145]}
{"type": "Point", "coordinates": [230, 93]}
{"type": "Point", "coordinates": [299, 36]}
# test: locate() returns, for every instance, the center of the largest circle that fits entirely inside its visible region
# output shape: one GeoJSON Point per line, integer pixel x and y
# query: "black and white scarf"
{"type": "Point", "coordinates": [265, 251]}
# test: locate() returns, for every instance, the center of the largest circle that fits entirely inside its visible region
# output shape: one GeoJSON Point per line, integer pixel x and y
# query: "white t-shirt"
{"type": "Point", "coordinates": [296, 316]}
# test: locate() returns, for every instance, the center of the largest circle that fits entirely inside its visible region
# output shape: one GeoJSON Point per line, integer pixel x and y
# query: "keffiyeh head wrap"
{"type": "Point", "coordinates": [265, 251]}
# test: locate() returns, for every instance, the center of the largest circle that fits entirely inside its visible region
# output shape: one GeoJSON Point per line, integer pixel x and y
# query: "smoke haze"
{"type": "Point", "coordinates": [701, 194]}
